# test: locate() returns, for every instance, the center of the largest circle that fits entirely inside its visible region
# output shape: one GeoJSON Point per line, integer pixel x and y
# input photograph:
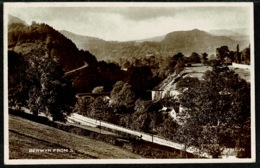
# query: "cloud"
{"type": "Point", "coordinates": [146, 13]}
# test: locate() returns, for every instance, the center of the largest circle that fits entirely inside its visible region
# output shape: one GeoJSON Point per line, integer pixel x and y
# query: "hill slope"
{"type": "Point", "coordinates": [15, 20]}
{"type": "Point", "coordinates": [25, 135]}
{"type": "Point", "coordinates": [82, 42]}
{"type": "Point", "coordinates": [153, 39]}
{"type": "Point", "coordinates": [24, 39]}
{"type": "Point", "coordinates": [239, 36]}
{"type": "Point", "coordinates": [196, 41]}
{"type": "Point", "coordinates": [41, 40]}
{"type": "Point", "coordinates": [166, 45]}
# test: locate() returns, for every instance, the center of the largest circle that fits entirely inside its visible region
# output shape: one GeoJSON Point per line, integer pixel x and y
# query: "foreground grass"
{"type": "Point", "coordinates": [25, 135]}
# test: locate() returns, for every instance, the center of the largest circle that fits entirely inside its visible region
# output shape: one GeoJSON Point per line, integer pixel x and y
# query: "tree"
{"type": "Point", "coordinates": [84, 105]}
{"type": "Point", "coordinates": [219, 110]}
{"type": "Point", "coordinates": [17, 87]}
{"type": "Point", "coordinates": [144, 118]}
{"type": "Point", "coordinates": [187, 82]}
{"type": "Point", "coordinates": [245, 56]}
{"type": "Point", "coordinates": [139, 78]}
{"type": "Point", "coordinates": [168, 127]}
{"type": "Point", "coordinates": [88, 57]}
{"type": "Point", "coordinates": [179, 66]}
{"type": "Point", "coordinates": [237, 55]}
{"type": "Point", "coordinates": [102, 110]}
{"type": "Point", "coordinates": [194, 58]}
{"type": "Point", "coordinates": [50, 92]}
{"type": "Point", "coordinates": [222, 52]}
{"type": "Point", "coordinates": [123, 97]}
{"type": "Point", "coordinates": [204, 58]}
{"type": "Point", "coordinates": [188, 133]}
{"type": "Point", "coordinates": [173, 62]}
{"type": "Point", "coordinates": [140, 118]}
{"type": "Point", "coordinates": [148, 118]}
{"type": "Point", "coordinates": [110, 73]}
{"type": "Point", "coordinates": [87, 79]}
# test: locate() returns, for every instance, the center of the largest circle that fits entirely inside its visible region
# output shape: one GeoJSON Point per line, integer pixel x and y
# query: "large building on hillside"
{"type": "Point", "coordinates": [167, 88]}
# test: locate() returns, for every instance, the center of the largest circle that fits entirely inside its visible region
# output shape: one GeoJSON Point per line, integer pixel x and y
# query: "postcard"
{"type": "Point", "coordinates": [128, 82]}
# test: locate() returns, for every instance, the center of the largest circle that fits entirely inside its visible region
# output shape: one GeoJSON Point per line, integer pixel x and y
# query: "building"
{"type": "Point", "coordinates": [167, 88]}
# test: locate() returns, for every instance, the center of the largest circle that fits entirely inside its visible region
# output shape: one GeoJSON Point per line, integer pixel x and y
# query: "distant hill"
{"type": "Point", "coordinates": [236, 34]}
{"type": "Point", "coordinates": [165, 45]}
{"type": "Point", "coordinates": [82, 42]}
{"type": "Point", "coordinates": [243, 31]}
{"type": "Point", "coordinates": [64, 45]}
{"type": "Point", "coordinates": [152, 39]}
{"type": "Point", "coordinates": [224, 32]}
{"type": "Point", "coordinates": [102, 49]}
{"type": "Point", "coordinates": [13, 20]}
{"type": "Point", "coordinates": [196, 41]}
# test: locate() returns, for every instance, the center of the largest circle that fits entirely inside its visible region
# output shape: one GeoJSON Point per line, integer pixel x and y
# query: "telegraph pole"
{"type": "Point", "coordinates": [100, 125]}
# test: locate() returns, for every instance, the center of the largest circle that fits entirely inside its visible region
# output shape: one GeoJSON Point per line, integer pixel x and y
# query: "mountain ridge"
{"type": "Point", "coordinates": [177, 41]}
{"type": "Point", "coordinates": [186, 42]}
{"type": "Point", "coordinates": [13, 19]}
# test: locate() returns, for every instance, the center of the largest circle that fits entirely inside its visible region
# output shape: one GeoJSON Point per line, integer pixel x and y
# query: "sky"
{"type": "Point", "coordinates": [132, 22]}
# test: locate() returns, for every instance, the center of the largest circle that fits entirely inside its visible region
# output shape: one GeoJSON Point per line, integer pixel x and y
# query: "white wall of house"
{"type": "Point", "coordinates": [157, 95]}
{"type": "Point", "coordinates": [243, 66]}
{"type": "Point", "coordinates": [173, 114]}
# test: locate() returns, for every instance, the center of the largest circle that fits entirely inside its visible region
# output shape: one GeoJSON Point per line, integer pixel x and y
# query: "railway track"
{"type": "Point", "coordinates": [82, 120]}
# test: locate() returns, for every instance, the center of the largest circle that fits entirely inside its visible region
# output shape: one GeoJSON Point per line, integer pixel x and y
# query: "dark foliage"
{"type": "Point", "coordinates": [41, 84]}
{"type": "Point", "coordinates": [140, 79]}
{"type": "Point", "coordinates": [43, 36]}
{"type": "Point", "coordinates": [17, 87]}
{"type": "Point", "coordinates": [103, 74]}
{"type": "Point", "coordinates": [218, 108]}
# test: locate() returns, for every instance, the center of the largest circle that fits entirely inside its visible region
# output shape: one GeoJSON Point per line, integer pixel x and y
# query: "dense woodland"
{"type": "Point", "coordinates": [216, 109]}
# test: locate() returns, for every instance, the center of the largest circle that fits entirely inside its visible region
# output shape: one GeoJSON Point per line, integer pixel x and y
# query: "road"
{"type": "Point", "coordinates": [82, 120]}
{"type": "Point", "coordinates": [75, 70]}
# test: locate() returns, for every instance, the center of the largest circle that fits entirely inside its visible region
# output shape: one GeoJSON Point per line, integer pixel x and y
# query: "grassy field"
{"type": "Point", "coordinates": [25, 135]}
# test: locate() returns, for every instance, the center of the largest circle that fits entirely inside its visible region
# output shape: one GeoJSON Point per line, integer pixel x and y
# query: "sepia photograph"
{"type": "Point", "coordinates": [103, 82]}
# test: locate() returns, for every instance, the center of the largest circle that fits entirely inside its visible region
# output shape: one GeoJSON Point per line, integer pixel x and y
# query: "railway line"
{"type": "Point", "coordinates": [83, 120]}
